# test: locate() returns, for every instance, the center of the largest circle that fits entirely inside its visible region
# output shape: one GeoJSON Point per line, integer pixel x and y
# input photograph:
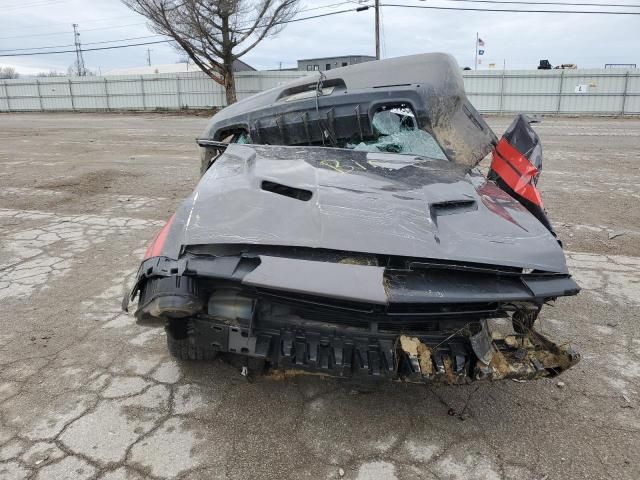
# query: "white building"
{"type": "Point", "coordinates": [238, 66]}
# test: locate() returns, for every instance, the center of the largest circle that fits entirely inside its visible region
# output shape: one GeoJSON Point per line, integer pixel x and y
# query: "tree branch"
{"type": "Point", "coordinates": [211, 31]}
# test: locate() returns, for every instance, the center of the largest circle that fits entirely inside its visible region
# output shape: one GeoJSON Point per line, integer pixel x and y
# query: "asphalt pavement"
{"type": "Point", "coordinates": [86, 393]}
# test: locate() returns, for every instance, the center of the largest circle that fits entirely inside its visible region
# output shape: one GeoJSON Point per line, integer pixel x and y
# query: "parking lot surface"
{"type": "Point", "coordinates": [85, 393]}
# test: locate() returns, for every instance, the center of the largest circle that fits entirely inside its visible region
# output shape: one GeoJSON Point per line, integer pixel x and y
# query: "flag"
{"type": "Point", "coordinates": [480, 52]}
{"type": "Point", "coordinates": [480, 42]}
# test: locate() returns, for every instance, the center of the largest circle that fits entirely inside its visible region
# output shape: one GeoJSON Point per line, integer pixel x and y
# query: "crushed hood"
{"type": "Point", "coordinates": [355, 201]}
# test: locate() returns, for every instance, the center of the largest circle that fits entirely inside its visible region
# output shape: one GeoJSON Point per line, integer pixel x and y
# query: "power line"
{"type": "Point", "coordinates": [123, 39]}
{"type": "Point", "coordinates": [505, 10]}
{"type": "Point", "coordinates": [152, 36]}
{"type": "Point", "coordinates": [325, 6]}
{"type": "Point", "coordinates": [294, 20]}
{"type": "Point", "coordinates": [84, 49]}
{"type": "Point", "coordinates": [71, 33]}
{"type": "Point", "coordinates": [105, 19]}
{"type": "Point", "coordinates": [116, 26]}
{"type": "Point", "coordinates": [37, 48]}
{"type": "Point", "coordinates": [94, 20]}
{"type": "Point", "coordinates": [168, 40]}
{"type": "Point", "coordinates": [42, 3]}
{"type": "Point", "coordinates": [360, 8]}
{"type": "Point", "coordinates": [252, 21]}
{"type": "Point", "coordinates": [563, 4]}
{"type": "Point", "coordinates": [50, 34]}
{"type": "Point", "coordinates": [86, 43]}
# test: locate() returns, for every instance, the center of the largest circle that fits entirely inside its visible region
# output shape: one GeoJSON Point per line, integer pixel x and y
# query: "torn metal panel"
{"type": "Point", "coordinates": [482, 344]}
{"type": "Point", "coordinates": [474, 291]}
{"type": "Point", "coordinates": [516, 166]}
{"type": "Point", "coordinates": [419, 359]}
{"type": "Point", "coordinates": [358, 282]}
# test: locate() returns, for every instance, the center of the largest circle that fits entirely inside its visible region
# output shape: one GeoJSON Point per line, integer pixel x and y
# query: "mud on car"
{"type": "Point", "coordinates": [342, 226]}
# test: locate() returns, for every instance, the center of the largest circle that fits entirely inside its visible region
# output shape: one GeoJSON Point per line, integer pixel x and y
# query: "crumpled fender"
{"type": "Point", "coordinates": [516, 167]}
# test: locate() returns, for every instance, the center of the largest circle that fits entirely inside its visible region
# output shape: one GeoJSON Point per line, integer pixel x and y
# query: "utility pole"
{"type": "Point", "coordinates": [377, 7]}
{"type": "Point", "coordinates": [80, 70]}
{"type": "Point", "coordinates": [476, 61]}
{"type": "Point", "coordinates": [148, 56]}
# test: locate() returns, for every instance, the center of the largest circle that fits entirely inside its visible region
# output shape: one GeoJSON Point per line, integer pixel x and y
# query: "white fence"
{"type": "Point", "coordinates": [573, 92]}
{"type": "Point", "coordinates": [131, 92]}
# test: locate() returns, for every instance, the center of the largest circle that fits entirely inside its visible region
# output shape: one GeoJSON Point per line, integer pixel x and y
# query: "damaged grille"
{"type": "Point", "coordinates": [392, 318]}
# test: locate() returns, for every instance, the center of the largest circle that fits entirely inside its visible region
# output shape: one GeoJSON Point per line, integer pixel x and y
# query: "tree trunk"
{"type": "Point", "coordinates": [229, 84]}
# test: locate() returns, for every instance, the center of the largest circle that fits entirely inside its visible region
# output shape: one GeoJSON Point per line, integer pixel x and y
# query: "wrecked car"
{"type": "Point", "coordinates": [342, 227]}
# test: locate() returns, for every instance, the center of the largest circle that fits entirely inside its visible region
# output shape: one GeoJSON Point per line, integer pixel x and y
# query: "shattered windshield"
{"type": "Point", "coordinates": [396, 131]}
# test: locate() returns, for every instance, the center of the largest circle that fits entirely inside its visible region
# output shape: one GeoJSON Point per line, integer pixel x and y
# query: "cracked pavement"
{"type": "Point", "coordinates": [85, 393]}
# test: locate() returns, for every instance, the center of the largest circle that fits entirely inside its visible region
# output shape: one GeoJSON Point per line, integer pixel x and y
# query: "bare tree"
{"type": "Point", "coordinates": [8, 73]}
{"type": "Point", "coordinates": [72, 70]}
{"type": "Point", "coordinates": [215, 33]}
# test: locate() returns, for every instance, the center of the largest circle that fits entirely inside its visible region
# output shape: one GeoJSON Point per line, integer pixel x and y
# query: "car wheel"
{"type": "Point", "coordinates": [181, 342]}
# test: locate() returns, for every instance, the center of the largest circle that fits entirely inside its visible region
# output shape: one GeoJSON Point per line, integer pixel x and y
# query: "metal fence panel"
{"type": "Point", "coordinates": [55, 94]}
{"type": "Point", "coordinates": [22, 96]}
{"type": "Point", "coordinates": [485, 102]}
{"type": "Point", "coordinates": [587, 91]}
{"type": "Point", "coordinates": [4, 98]}
{"type": "Point", "coordinates": [88, 94]}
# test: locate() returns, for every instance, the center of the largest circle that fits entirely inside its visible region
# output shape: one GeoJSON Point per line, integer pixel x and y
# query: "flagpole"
{"type": "Point", "coordinates": [476, 61]}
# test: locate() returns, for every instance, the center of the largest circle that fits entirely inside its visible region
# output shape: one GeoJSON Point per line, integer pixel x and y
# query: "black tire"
{"type": "Point", "coordinates": [181, 342]}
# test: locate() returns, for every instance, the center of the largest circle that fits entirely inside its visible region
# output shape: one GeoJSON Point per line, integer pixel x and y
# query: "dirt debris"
{"type": "Point", "coordinates": [293, 373]}
{"type": "Point", "coordinates": [499, 364]}
{"type": "Point", "coordinates": [418, 350]}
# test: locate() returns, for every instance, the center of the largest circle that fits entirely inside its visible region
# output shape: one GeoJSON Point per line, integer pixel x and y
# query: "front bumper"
{"type": "Point", "coordinates": [453, 359]}
{"type": "Point", "coordinates": [442, 326]}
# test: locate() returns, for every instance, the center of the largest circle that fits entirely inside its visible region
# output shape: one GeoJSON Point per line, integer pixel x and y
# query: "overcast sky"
{"type": "Point", "coordinates": [519, 39]}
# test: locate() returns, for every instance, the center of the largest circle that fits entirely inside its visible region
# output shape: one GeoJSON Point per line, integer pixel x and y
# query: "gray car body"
{"type": "Point", "coordinates": [352, 262]}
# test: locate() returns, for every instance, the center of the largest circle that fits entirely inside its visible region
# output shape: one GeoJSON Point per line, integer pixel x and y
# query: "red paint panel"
{"type": "Point", "coordinates": [519, 183]}
{"type": "Point", "coordinates": [518, 161]}
{"type": "Point", "coordinates": [156, 245]}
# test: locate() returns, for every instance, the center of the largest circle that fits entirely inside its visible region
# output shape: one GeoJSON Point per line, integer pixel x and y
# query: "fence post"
{"type": "Point", "coordinates": [106, 93]}
{"type": "Point", "coordinates": [73, 105]}
{"type": "Point", "coordinates": [6, 94]}
{"type": "Point", "coordinates": [39, 95]}
{"type": "Point", "coordinates": [178, 91]}
{"type": "Point", "coordinates": [502, 92]}
{"type": "Point", "coordinates": [144, 100]}
{"type": "Point", "coordinates": [624, 94]}
{"type": "Point", "coordinates": [560, 91]}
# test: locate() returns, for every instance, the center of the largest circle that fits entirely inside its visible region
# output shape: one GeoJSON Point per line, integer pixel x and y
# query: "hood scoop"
{"type": "Point", "coordinates": [451, 207]}
{"type": "Point", "coordinates": [286, 191]}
